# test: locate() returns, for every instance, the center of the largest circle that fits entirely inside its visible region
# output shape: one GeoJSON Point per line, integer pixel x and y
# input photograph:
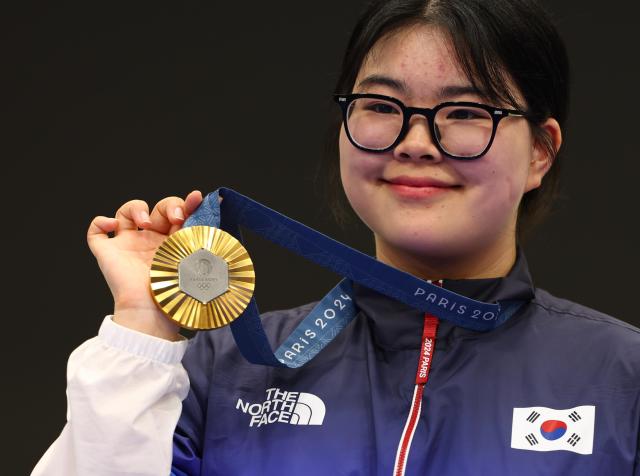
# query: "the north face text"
{"type": "Point", "coordinates": [281, 406]}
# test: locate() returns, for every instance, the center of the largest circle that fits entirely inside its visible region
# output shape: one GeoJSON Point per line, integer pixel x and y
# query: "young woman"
{"type": "Point", "coordinates": [452, 114]}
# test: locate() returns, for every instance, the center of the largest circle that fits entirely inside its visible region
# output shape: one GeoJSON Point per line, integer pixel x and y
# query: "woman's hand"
{"type": "Point", "coordinates": [125, 259]}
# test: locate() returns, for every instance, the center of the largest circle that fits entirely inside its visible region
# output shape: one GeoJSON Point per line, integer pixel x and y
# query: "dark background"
{"type": "Point", "coordinates": [106, 102]}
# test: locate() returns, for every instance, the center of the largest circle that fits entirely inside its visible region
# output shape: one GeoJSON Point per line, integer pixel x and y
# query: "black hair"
{"type": "Point", "coordinates": [496, 42]}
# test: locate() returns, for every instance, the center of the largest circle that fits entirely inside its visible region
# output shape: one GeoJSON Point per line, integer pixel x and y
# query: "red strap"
{"type": "Point", "coordinates": [428, 346]}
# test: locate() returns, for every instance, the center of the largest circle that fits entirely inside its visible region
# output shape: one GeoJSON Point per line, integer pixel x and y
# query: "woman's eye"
{"type": "Point", "coordinates": [464, 114]}
{"type": "Point", "coordinates": [382, 108]}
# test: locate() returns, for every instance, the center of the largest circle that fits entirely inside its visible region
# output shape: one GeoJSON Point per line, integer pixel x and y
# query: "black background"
{"type": "Point", "coordinates": [106, 102]}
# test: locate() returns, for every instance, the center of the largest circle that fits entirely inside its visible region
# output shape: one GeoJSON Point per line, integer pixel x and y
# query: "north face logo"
{"type": "Point", "coordinates": [280, 406]}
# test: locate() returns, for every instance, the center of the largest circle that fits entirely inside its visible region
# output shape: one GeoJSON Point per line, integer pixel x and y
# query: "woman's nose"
{"type": "Point", "coordinates": [418, 142]}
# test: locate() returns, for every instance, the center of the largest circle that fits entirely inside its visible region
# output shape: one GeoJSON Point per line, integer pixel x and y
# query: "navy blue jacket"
{"type": "Point", "coordinates": [344, 412]}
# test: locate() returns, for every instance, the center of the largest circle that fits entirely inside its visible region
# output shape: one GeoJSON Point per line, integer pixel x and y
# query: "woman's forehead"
{"type": "Point", "coordinates": [419, 59]}
{"type": "Point", "coordinates": [423, 60]}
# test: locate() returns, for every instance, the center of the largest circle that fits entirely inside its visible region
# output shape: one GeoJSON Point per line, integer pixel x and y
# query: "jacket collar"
{"type": "Point", "coordinates": [398, 326]}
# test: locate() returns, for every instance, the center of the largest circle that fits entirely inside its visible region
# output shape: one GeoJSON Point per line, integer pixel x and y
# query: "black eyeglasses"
{"type": "Point", "coordinates": [462, 130]}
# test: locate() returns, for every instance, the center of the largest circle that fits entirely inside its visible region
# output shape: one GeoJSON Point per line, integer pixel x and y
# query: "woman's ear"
{"type": "Point", "coordinates": [542, 156]}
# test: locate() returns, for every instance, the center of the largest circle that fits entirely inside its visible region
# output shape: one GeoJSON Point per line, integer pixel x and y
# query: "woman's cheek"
{"type": "Point", "coordinates": [360, 173]}
{"type": "Point", "coordinates": [357, 189]}
{"type": "Point", "coordinates": [496, 207]}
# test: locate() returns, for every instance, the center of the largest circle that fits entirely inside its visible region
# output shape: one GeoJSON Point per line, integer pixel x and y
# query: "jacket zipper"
{"type": "Point", "coordinates": [422, 375]}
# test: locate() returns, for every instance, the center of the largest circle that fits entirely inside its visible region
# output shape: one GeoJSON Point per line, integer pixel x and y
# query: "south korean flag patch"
{"type": "Point", "coordinates": [546, 429]}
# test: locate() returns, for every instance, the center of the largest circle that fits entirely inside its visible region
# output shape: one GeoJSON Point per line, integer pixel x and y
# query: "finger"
{"type": "Point", "coordinates": [192, 201]}
{"type": "Point", "coordinates": [168, 214]}
{"type": "Point", "coordinates": [133, 215]}
{"type": "Point", "coordinates": [99, 228]}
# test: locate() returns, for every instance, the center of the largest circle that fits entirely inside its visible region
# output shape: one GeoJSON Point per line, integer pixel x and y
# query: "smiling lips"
{"type": "Point", "coordinates": [416, 187]}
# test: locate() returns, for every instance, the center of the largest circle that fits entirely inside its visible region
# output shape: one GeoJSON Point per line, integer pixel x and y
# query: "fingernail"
{"type": "Point", "coordinates": [178, 213]}
{"type": "Point", "coordinates": [144, 217]}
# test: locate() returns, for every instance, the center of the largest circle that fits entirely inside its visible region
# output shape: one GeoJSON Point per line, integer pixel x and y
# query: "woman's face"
{"type": "Point", "coordinates": [459, 209]}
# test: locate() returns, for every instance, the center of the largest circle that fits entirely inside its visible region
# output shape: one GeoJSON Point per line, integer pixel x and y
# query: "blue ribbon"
{"type": "Point", "coordinates": [334, 312]}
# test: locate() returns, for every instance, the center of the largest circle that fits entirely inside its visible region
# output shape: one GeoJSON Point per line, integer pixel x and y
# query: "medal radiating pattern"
{"type": "Point", "coordinates": [189, 279]}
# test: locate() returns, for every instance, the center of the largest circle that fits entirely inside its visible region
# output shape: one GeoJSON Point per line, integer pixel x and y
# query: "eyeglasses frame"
{"type": "Point", "coordinates": [497, 114]}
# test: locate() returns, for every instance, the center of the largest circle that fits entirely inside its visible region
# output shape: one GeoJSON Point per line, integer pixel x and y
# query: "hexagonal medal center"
{"type": "Point", "coordinates": [203, 276]}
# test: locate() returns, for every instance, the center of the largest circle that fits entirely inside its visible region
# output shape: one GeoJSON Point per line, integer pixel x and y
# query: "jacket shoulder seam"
{"type": "Point", "coordinates": [588, 317]}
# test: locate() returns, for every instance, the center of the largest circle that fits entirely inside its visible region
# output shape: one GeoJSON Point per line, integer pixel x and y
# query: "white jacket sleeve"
{"type": "Point", "coordinates": [124, 398]}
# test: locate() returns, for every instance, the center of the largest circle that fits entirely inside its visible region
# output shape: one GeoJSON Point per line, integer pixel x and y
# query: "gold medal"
{"type": "Point", "coordinates": [202, 277]}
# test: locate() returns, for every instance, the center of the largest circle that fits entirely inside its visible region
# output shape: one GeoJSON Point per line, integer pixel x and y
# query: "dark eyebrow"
{"type": "Point", "coordinates": [380, 80]}
{"type": "Point", "coordinates": [447, 92]}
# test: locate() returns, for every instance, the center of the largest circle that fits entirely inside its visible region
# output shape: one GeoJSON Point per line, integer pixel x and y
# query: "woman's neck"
{"type": "Point", "coordinates": [494, 262]}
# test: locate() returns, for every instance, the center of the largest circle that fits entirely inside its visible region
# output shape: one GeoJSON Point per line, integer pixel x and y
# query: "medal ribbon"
{"type": "Point", "coordinates": [334, 312]}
